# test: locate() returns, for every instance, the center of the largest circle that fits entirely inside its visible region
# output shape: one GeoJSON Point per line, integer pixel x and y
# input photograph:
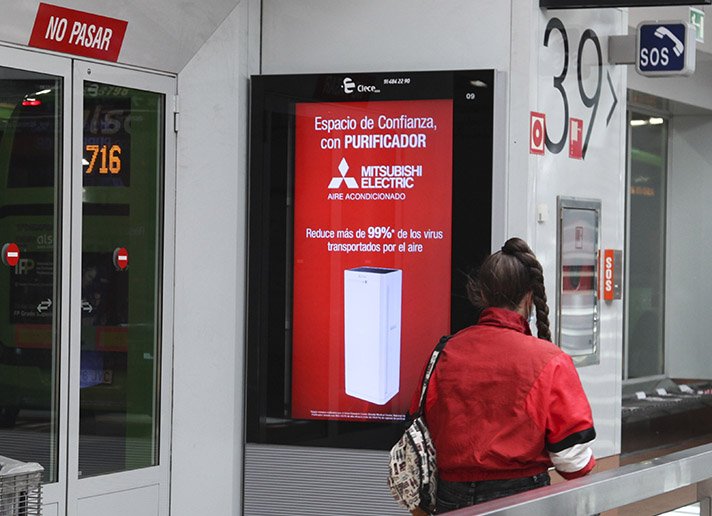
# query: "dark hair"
{"type": "Point", "coordinates": [506, 277]}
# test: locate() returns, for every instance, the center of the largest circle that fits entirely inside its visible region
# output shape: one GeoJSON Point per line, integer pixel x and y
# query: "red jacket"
{"type": "Point", "coordinates": [504, 404]}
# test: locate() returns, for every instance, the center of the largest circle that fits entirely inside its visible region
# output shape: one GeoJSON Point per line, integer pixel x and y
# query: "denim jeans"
{"type": "Point", "coordinates": [456, 495]}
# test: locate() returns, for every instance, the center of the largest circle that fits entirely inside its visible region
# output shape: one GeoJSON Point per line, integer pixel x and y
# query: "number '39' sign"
{"type": "Point", "coordinates": [588, 91]}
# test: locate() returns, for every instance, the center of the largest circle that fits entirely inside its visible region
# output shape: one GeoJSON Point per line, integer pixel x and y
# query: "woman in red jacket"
{"type": "Point", "coordinates": [503, 406]}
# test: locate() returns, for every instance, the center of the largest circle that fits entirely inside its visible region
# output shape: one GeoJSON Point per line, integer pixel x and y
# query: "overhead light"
{"type": "Point", "coordinates": [637, 123]}
{"type": "Point", "coordinates": [656, 121]}
{"type": "Point", "coordinates": [479, 84]}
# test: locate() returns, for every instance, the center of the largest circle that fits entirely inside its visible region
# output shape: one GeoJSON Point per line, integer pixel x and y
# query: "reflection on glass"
{"type": "Point", "coordinates": [30, 158]}
{"type": "Point", "coordinates": [121, 235]}
{"type": "Point", "coordinates": [646, 248]}
{"type": "Point", "coordinates": [688, 510]}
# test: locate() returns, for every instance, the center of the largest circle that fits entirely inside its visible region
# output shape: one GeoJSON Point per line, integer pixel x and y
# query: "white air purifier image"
{"type": "Point", "coordinates": [372, 332]}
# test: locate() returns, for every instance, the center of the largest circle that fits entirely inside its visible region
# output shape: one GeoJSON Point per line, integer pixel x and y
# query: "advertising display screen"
{"type": "Point", "coordinates": [370, 201]}
{"type": "Point", "coordinates": [383, 200]}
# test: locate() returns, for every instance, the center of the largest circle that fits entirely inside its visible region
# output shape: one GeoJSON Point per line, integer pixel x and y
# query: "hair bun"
{"type": "Point", "coordinates": [508, 248]}
{"type": "Point", "coordinates": [516, 245]}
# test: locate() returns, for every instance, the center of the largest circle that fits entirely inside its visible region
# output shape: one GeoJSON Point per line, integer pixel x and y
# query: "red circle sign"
{"type": "Point", "coordinates": [10, 254]}
{"type": "Point", "coordinates": [121, 258]}
{"type": "Point", "coordinates": [538, 133]}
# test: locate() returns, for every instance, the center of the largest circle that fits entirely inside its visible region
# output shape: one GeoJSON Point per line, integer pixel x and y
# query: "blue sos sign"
{"type": "Point", "coordinates": [664, 49]}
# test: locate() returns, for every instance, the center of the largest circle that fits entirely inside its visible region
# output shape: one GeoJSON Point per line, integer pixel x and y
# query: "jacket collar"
{"type": "Point", "coordinates": [504, 318]}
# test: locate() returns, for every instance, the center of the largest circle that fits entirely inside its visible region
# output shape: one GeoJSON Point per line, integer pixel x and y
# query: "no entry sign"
{"type": "Point", "coordinates": [10, 254]}
{"type": "Point", "coordinates": [121, 258]}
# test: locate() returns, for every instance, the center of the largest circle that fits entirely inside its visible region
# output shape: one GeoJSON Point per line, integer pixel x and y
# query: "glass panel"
{"type": "Point", "coordinates": [121, 274]}
{"type": "Point", "coordinates": [30, 160]}
{"type": "Point", "coordinates": [646, 247]}
{"type": "Point", "coordinates": [577, 318]}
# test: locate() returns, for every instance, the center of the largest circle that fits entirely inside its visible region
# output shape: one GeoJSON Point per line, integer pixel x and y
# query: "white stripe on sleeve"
{"type": "Point", "coordinates": [572, 459]}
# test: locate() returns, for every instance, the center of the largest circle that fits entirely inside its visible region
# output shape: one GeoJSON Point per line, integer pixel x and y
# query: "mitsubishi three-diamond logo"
{"type": "Point", "coordinates": [336, 181]}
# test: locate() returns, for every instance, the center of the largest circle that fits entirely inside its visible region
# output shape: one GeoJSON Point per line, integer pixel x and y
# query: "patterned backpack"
{"type": "Point", "coordinates": [412, 466]}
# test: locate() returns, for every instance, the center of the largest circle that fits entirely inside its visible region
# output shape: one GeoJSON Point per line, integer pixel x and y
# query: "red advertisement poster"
{"type": "Point", "coordinates": [372, 254]}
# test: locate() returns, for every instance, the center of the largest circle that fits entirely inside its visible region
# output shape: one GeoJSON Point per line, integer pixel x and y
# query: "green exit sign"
{"type": "Point", "coordinates": [697, 19]}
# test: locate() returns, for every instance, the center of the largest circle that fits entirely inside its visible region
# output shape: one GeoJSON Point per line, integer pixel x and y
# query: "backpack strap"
{"type": "Point", "coordinates": [434, 357]}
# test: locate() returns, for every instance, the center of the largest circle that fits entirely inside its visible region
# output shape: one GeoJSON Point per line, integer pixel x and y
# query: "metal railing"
{"type": "Point", "coordinates": [611, 489]}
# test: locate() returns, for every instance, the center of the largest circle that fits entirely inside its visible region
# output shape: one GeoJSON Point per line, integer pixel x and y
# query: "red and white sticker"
{"type": "Point", "coordinates": [537, 132]}
{"type": "Point", "coordinates": [608, 266]}
{"type": "Point", "coordinates": [121, 258]}
{"type": "Point", "coordinates": [575, 138]}
{"type": "Point", "coordinates": [10, 254]}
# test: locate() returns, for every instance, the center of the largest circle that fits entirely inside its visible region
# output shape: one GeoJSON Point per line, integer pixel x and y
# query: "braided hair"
{"type": "Point", "coordinates": [506, 277]}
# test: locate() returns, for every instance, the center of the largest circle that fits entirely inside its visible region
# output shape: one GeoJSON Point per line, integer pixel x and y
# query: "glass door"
{"type": "Point", "coordinates": [30, 158]}
{"type": "Point", "coordinates": [87, 161]}
{"type": "Point", "coordinates": [120, 339]}
{"type": "Point", "coordinates": [35, 91]}
{"type": "Point", "coordinates": [647, 200]}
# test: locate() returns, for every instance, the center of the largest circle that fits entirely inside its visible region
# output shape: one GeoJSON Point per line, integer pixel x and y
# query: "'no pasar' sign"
{"type": "Point", "coordinates": [76, 32]}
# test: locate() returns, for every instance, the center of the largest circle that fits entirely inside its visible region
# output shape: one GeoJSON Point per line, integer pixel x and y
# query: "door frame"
{"type": "Point", "coordinates": [111, 484]}
{"type": "Point", "coordinates": [54, 493]}
{"type": "Point", "coordinates": [61, 496]}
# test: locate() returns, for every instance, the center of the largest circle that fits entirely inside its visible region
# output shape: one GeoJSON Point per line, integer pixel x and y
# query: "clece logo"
{"type": "Point", "coordinates": [343, 169]}
{"type": "Point", "coordinates": [348, 85]}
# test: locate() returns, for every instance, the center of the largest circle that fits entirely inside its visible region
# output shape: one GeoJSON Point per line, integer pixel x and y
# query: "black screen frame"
{"type": "Point", "coordinates": [270, 225]}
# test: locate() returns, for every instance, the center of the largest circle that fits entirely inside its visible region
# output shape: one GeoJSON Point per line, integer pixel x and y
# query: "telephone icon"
{"type": "Point", "coordinates": [662, 32]}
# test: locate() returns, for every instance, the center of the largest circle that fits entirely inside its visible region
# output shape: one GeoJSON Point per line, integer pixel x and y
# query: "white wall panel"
{"type": "Point", "coordinates": [372, 35]}
{"type": "Point", "coordinates": [139, 502]}
{"type": "Point", "coordinates": [210, 270]}
{"type": "Point", "coordinates": [600, 175]}
{"type": "Point", "coordinates": [519, 198]}
{"type": "Point", "coordinates": [51, 509]}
